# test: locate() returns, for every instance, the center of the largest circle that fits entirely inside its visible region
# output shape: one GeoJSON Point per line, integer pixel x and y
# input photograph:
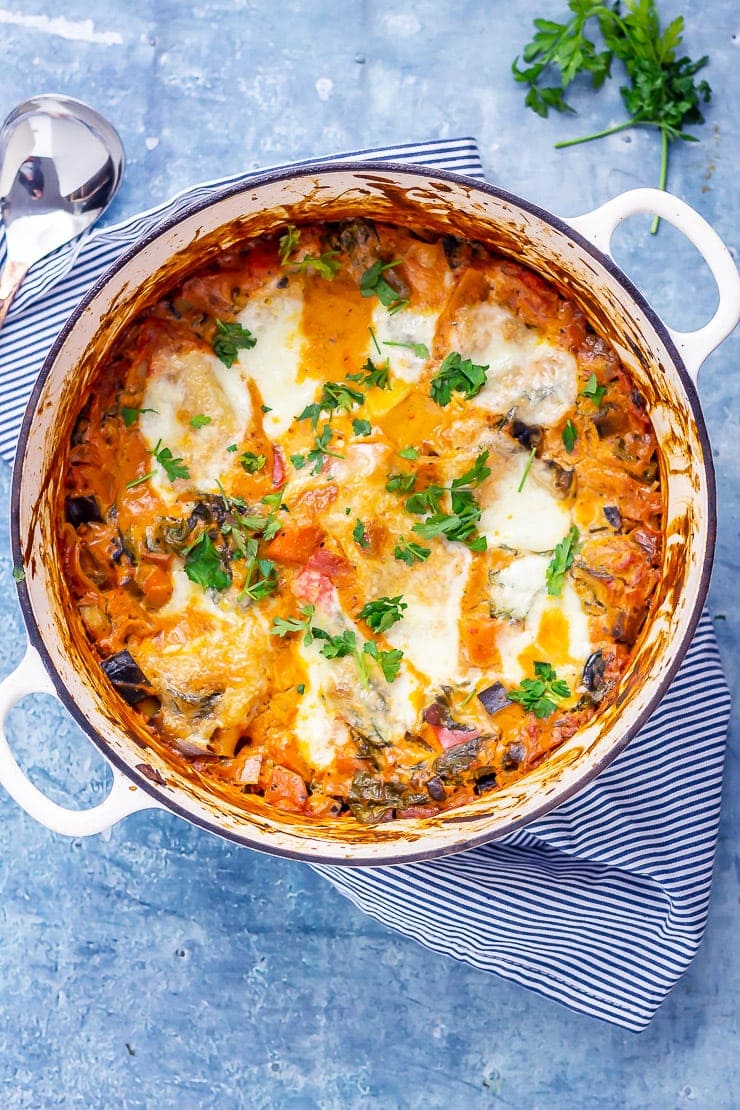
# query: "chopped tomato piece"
{"type": "Point", "coordinates": [286, 790]}
{"type": "Point", "coordinates": [278, 467]}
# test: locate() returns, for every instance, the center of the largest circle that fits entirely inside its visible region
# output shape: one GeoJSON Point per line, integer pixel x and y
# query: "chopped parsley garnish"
{"type": "Point", "coordinates": [561, 562]}
{"type": "Point", "coordinates": [19, 574]}
{"type": "Point", "coordinates": [326, 264]}
{"type": "Point", "coordinates": [527, 468]}
{"type": "Point", "coordinates": [362, 427]}
{"type": "Point", "coordinates": [383, 612]}
{"type": "Point", "coordinates": [261, 580]}
{"type": "Point", "coordinates": [373, 283]}
{"type": "Point", "coordinates": [460, 523]}
{"type": "Point", "coordinates": [251, 462]}
{"type": "Point", "coordinates": [594, 391]}
{"type": "Point", "coordinates": [457, 375]}
{"type": "Point", "coordinates": [204, 565]}
{"type": "Point", "coordinates": [301, 688]}
{"type": "Point", "coordinates": [232, 448]}
{"type": "Point", "coordinates": [281, 627]}
{"type": "Point", "coordinates": [420, 349]}
{"type": "Point", "coordinates": [570, 435]}
{"type": "Point", "coordinates": [359, 535]}
{"type": "Point", "coordinates": [536, 694]}
{"type": "Point", "coordinates": [129, 415]}
{"type": "Point", "coordinates": [174, 468]}
{"type": "Point", "coordinates": [288, 242]}
{"type": "Point", "coordinates": [334, 395]}
{"type": "Point", "coordinates": [374, 375]}
{"type": "Point", "coordinates": [229, 340]}
{"type": "Point", "coordinates": [400, 483]}
{"type": "Point", "coordinates": [298, 461]}
{"type": "Point", "coordinates": [408, 453]}
{"type": "Point", "coordinates": [321, 449]}
{"type": "Point", "coordinates": [273, 499]}
{"type": "Point", "coordinates": [406, 551]}
{"type": "Point", "coordinates": [389, 661]}
{"type": "Point", "coordinates": [199, 420]}
{"type": "Point", "coordinates": [374, 338]}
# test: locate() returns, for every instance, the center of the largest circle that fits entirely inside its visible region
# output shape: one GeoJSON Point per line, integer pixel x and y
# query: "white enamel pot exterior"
{"type": "Point", "coordinates": [573, 254]}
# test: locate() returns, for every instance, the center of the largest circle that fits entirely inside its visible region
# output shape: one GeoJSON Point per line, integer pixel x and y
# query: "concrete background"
{"type": "Point", "coordinates": [161, 966]}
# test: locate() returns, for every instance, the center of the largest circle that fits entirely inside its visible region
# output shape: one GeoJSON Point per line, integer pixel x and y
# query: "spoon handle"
{"type": "Point", "coordinates": [11, 276]}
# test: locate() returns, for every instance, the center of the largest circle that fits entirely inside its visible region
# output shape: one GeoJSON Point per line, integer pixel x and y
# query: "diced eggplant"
{"type": "Point", "coordinates": [562, 476]}
{"type": "Point", "coordinates": [436, 789]}
{"type": "Point", "coordinates": [457, 251]}
{"type": "Point", "coordinates": [513, 757]}
{"type": "Point", "coordinates": [613, 515]}
{"type": "Point", "coordinates": [593, 672]}
{"type": "Point", "coordinates": [529, 435]}
{"type": "Point", "coordinates": [493, 698]}
{"type": "Point", "coordinates": [128, 679]}
{"type": "Point", "coordinates": [485, 782]}
{"type": "Point", "coordinates": [82, 510]}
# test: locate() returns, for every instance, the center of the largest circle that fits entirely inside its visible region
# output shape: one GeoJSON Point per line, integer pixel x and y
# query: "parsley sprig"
{"type": "Point", "coordinates": [382, 613]}
{"type": "Point", "coordinates": [337, 647]}
{"type": "Point", "coordinates": [561, 562]}
{"type": "Point", "coordinates": [174, 468]}
{"type": "Point", "coordinates": [660, 90]}
{"type": "Point", "coordinates": [334, 396]}
{"type": "Point", "coordinates": [536, 694]}
{"type": "Point", "coordinates": [457, 375]}
{"type": "Point", "coordinates": [406, 551]}
{"type": "Point", "coordinates": [326, 264]}
{"type": "Point", "coordinates": [461, 521]}
{"type": "Point", "coordinates": [229, 340]}
{"type": "Point", "coordinates": [373, 283]}
{"type": "Point", "coordinates": [594, 391]}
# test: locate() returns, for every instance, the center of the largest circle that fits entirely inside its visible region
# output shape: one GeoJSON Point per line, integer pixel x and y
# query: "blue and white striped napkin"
{"type": "Point", "coordinates": [602, 904]}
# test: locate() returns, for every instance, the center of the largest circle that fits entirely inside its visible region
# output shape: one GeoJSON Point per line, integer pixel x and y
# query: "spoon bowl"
{"type": "Point", "coordinates": [61, 164]}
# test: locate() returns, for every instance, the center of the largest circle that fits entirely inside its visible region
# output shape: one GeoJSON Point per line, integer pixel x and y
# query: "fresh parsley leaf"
{"type": "Point", "coordinates": [301, 688]}
{"type": "Point", "coordinates": [373, 283]}
{"type": "Point", "coordinates": [362, 427]}
{"type": "Point", "coordinates": [199, 420]}
{"type": "Point", "coordinates": [457, 375]}
{"type": "Point", "coordinates": [408, 453]}
{"type": "Point", "coordinates": [420, 349]}
{"type": "Point", "coordinates": [298, 461]}
{"type": "Point", "coordinates": [359, 534]}
{"type": "Point", "coordinates": [336, 647]}
{"type": "Point", "coordinates": [527, 468]}
{"type": "Point", "coordinates": [251, 462]}
{"type": "Point", "coordinates": [383, 612]}
{"type": "Point", "coordinates": [561, 562]}
{"type": "Point", "coordinates": [570, 435]}
{"type": "Point", "coordinates": [389, 661]}
{"type": "Point", "coordinates": [409, 552]}
{"type": "Point", "coordinates": [129, 415]}
{"type": "Point", "coordinates": [375, 375]}
{"type": "Point", "coordinates": [660, 90]}
{"type": "Point", "coordinates": [229, 340]}
{"type": "Point", "coordinates": [334, 395]}
{"type": "Point", "coordinates": [321, 449]}
{"type": "Point", "coordinates": [326, 264]}
{"type": "Point", "coordinates": [288, 243]}
{"type": "Point", "coordinates": [204, 565]}
{"type": "Point", "coordinates": [536, 694]}
{"type": "Point", "coordinates": [261, 580]}
{"type": "Point", "coordinates": [273, 499]}
{"type": "Point", "coordinates": [232, 448]}
{"type": "Point", "coordinates": [594, 390]}
{"type": "Point", "coordinates": [174, 468]}
{"type": "Point", "coordinates": [19, 575]}
{"type": "Point", "coordinates": [400, 483]}
{"type": "Point", "coordinates": [288, 627]}
{"type": "Point", "coordinates": [476, 475]}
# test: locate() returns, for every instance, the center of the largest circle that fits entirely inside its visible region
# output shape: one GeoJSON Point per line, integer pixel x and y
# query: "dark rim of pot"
{"type": "Point", "coordinates": [311, 169]}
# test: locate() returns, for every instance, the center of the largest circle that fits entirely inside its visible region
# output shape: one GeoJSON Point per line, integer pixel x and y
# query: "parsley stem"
{"type": "Point", "coordinates": [663, 174]}
{"type": "Point", "coordinates": [527, 469]}
{"type": "Point", "coordinates": [597, 134]}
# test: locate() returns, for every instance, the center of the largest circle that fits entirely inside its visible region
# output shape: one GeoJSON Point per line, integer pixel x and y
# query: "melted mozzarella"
{"type": "Point", "coordinates": [429, 632]}
{"type": "Point", "coordinates": [407, 326]}
{"type": "Point", "coordinates": [275, 362]}
{"type": "Point", "coordinates": [181, 386]}
{"type": "Point", "coordinates": [530, 519]}
{"type": "Point", "coordinates": [524, 372]}
{"type": "Point", "coordinates": [514, 589]}
{"type": "Point", "coordinates": [519, 642]}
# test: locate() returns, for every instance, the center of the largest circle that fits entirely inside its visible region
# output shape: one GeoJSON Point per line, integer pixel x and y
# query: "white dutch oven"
{"type": "Point", "coordinates": [575, 255]}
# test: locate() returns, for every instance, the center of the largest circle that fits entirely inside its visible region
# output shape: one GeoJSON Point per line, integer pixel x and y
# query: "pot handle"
{"type": "Point", "coordinates": [599, 226]}
{"type": "Point", "coordinates": [124, 798]}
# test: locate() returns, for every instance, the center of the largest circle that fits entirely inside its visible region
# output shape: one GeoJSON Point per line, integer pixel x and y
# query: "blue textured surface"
{"type": "Point", "coordinates": [161, 966]}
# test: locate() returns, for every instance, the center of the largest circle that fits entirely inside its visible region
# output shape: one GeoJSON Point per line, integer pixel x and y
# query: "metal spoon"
{"type": "Point", "coordinates": [60, 166]}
